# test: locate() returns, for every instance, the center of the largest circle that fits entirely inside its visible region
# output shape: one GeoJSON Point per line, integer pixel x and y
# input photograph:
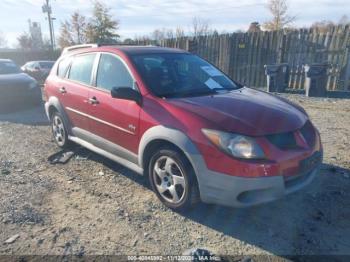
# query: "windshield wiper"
{"type": "Point", "coordinates": [224, 88]}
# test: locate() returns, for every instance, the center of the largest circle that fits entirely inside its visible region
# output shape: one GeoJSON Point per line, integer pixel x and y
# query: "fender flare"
{"type": "Point", "coordinates": [53, 101]}
{"type": "Point", "coordinates": [179, 139]}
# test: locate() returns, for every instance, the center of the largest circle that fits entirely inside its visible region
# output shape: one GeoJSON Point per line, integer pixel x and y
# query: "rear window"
{"type": "Point", "coordinates": [81, 68]}
{"type": "Point", "coordinates": [8, 67]}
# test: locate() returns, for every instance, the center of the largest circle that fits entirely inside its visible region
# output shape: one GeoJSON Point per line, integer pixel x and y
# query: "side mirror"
{"type": "Point", "coordinates": [37, 68]}
{"type": "Point", "coordinates": [126, 93]}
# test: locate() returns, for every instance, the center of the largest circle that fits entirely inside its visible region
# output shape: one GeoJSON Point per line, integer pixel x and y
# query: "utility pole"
{"type": "Point", "coordinates": [46, 8]}
{"type": "Point", "coordinates": [53, 31]}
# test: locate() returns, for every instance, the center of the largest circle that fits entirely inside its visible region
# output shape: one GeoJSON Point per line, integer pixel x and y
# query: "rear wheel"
{"type": "Point", "coordinates": [173, 180]}
{"type": "Point", "coordinates": [59, 130]}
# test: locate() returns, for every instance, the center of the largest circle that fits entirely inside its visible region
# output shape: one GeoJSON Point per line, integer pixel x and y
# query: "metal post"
{"type": "Point", "coordinates": [347, 71]}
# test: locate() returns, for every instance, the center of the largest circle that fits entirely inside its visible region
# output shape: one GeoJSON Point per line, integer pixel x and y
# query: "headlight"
{"type": "Point", "coordinates": [236, 145]}
{"type": "Point", "coordinates": [33, 85]}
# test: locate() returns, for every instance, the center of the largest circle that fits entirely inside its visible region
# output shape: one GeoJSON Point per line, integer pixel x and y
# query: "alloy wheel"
{"type": "Point", "coordinates": [169, 180]}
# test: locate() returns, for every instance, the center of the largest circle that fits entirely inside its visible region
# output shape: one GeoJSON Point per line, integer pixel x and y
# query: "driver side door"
{"type": "Point", "coordinates": [114, 120]}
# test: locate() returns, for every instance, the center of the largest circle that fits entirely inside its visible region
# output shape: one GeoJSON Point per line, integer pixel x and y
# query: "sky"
{"type": "Point", "coordinates": [142, 17]}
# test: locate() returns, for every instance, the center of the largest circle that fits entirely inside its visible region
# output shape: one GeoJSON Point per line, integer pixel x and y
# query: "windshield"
{"type": "Point", "coordinates": [8, 67]}
{"type": "Point", "coordinates": [46, 65]}
{"type": "Point", "coordinates": [180, 75]}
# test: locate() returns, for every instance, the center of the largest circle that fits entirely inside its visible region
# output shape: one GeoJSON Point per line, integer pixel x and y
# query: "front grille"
{"type": "Point", "coordinates": [283, 141]}
{"type": "Point", "coordinates": [308, 133]}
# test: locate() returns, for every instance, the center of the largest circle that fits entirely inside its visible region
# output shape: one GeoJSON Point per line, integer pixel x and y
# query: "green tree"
{"type": "Point", "coordinates": [102, 28]}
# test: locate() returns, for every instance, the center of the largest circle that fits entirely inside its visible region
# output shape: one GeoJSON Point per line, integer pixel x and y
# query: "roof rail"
{"type": "Point", "coordinates": [76, 47]}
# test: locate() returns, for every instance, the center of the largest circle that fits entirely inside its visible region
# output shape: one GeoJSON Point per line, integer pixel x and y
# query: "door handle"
{"type": "Point", "coordinates": [93, 101]}
{"type": "Point", "coordinates": [62, 90]}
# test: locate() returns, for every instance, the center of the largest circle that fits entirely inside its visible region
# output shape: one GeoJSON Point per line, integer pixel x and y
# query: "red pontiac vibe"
{"type": "Point", "coordinates": [177, 119]}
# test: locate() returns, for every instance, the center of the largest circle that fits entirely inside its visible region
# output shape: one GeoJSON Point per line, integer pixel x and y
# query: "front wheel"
{"type": "Point", "coordinates": [173, 180]}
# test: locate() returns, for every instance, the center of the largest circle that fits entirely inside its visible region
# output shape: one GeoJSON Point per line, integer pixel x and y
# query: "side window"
{"type": "Point", "coordinates": [62, 67]}
{"type": "Point", "coordinates": [112, 73]}
{"type": "Point", "coordinates": [81, 68]}
{"type": "Point", "coordinates": [30, 65]}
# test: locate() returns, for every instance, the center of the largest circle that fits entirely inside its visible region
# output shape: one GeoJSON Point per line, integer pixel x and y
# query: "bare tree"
{"type": "Point", "coordinates": [326, 25]}
{"type": "Point", "coordinates": [179, 32]}
{"type": "Point", "coordinates": [344, 20]}
{"type": "Point", "coordinates": [65, 38]}
{"type": "Point", "coordinates": [46, 43]}
{"type": "Point", "coordinates": [323, 25]}
{"type": "Point", "coordinates": [158, 34]}
{"type": "Point", "coordinates": [280, 18]}
{"type": "Point", "coordinates": [142, 40]}
{"type": "Point", "coordinates": [25, 41]}
{"type": "Point", "coordinates": [3, 41]}
{"type": "Point", "coordinates": [165, 33]}
{"type": "Point", "coordinates": [169, 34]}
{"type": "Point", "coordinates": [79, 28]}
{"type": "Point", "coordinates": [200, 27]}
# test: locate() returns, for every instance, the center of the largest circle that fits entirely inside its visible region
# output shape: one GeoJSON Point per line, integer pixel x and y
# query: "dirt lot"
{"type": "Point", "coordinates": [94, 206]}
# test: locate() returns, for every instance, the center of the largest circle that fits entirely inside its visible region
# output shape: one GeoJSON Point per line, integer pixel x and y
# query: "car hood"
{"type": "Point", "coordinates": [15, 79]}
{"type": "Point", "coordinates": [245, 111]}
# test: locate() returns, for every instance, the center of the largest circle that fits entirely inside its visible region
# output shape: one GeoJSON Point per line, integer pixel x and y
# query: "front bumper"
{"type": "Point", "coordinates": [243, 192]}
{"type": "Point", "coordinates": [235, 191]}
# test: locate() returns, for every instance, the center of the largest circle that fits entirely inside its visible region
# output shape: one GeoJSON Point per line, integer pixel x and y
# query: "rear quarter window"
{"type": "Point", "coordinates": [62, 67]}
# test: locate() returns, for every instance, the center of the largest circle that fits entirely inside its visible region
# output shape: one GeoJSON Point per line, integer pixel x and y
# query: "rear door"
{"type": "Point", "coordinates": [115, 120]}
{"type": "Point", "coordinates": [74, 88]}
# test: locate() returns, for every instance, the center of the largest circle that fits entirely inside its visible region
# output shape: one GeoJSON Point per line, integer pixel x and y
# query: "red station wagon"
{"type": "Point", "coordinates": [172, 116]}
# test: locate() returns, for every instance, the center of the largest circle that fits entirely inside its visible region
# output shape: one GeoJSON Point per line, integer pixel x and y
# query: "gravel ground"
{"type": "Point", "coordinates": [91, 205]}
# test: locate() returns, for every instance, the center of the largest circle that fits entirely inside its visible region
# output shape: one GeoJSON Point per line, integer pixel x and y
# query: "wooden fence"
{"type": "Point", "coordinates": [243, 55]}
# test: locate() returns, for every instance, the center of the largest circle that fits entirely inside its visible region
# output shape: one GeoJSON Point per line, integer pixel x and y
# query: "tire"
{"type": "Point", "coordinates": [59, 131]}
{"type": "Point", "coordinates": [173, 180]}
